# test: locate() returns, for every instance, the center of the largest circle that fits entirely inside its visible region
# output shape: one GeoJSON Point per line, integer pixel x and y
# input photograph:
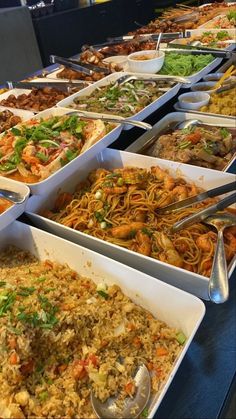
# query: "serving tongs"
{"type": "Point", "coordinates": [168, 36]}
{"type": "Point", "coordinates": [184, 49]}
{"type": "Point", "coordinates": [60, 85]}
{"type": "Point", "coordinates": [88, 69]}
{"type": "Point", "coordinates": [201, 215]}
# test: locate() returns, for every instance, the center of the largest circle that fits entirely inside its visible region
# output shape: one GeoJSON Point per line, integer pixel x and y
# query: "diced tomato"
{"type": "Point", "coordinates": [195, 137]}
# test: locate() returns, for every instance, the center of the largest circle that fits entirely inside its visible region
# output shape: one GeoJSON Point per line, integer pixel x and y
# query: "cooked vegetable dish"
{"type": "Point", "coordinates": [119, 206]}
{"type": "Point", "coordinates": [211, 39]}
{"type": "Point", "coordinates": [223, 22]}
{"type": "Point", "coordinates": [8, 120]}
{"type": "Point", "coordinates": [184, 65]}
{"type": "Point", "coordinates": [38, 148]}
{"type": "Point", "coordinates": [203, 146]}
{"type": "Point", "coordinates": [124, 100]}
{"type": "Point", "coordinates": [63, 336]}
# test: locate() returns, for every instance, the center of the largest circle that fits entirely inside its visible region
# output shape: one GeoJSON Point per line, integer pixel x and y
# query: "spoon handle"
{"type": "Point", "coordinates": [218, 285]}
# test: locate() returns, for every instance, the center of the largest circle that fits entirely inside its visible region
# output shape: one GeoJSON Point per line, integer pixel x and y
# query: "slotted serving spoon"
{"type": "Point", "coordinates": [218, 284]}
{"type": "Point", "coordinates": [133, 407]}
{"type": "Point", "coordinates": [12, 196]}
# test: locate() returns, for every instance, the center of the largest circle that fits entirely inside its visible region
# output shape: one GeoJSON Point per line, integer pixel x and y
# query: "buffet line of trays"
{"type": "Point", "coordinates": [109, 214]}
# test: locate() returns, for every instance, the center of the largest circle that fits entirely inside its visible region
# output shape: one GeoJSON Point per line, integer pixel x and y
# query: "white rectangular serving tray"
{"type": "Point", "coordinates": [65, 171]}
{"type": "Point", "coordinates": [176, 117]}
{"type": "Point", "coordinates": [198, 32]}
{"type": "Point", "coordinates": [110, 159]}
{"type": "Point", "coordinates": [175, 307]}
{"type": "Point", "coordinates": [8, 216]}
{"type": "Point", "coordinates": [140, 116]}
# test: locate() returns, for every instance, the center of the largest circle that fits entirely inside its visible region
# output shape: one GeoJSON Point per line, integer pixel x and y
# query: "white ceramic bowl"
{"type": "Point", "coordinates": [152, 65]}
{"type": "Point", "coordinates": [193, 100]}
{"type": "Point", "coordinates": [207, 87]}
{"type": "Point", "coordinates": [213, 76]}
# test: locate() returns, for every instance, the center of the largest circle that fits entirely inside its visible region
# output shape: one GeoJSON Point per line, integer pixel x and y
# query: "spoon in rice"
{"type": "Point", "coordinates": [132, 407]}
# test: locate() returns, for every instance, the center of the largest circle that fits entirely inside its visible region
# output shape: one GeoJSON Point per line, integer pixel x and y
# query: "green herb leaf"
{"type": "Point", "coordinates": [26, 291]}
{"type": "Point", "coordinates": [144, 413]}
{"type": "Point", "coordinates": [6, 301]}
{"type": "Point", "coordinates": [16, 131]}
{"type": "Point", "coordinates": [102, 294]}
{"type": "Point", "coordinates": [41, 156]}
{"type": "Point", "coordinates": [2, 283]}
{"type": "Point", "coordinates": [224, 132]}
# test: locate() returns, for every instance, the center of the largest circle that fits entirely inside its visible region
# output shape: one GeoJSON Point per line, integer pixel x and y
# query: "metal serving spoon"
{"type": "Point", "coordinates": [114, 119]}
{"type": "Point", "coordinates": [192, 122]}
{"type": "Point", "coordinates": [134, 406]}
{"type": "Point", "coordinates": [218, 285]}
{"type": "Point", "coordinates": [11, 196]}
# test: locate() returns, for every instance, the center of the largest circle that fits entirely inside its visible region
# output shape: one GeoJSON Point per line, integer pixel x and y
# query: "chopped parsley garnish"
{"type": "Point", "coordinates": [102, 294]}
{"type": "Point", "coordinates": [7, 299]}
{"type": "Point", "coordinates": [26, 291]}
{"type": "Point", "coordinates": [224, 132]}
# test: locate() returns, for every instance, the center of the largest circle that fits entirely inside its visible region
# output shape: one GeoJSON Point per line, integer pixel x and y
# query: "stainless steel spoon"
{"type": "Point", "coordinates": [158, 43]}
{"type": "Point", "coordinates": [134, 406]}
{"type": "Point", "coordinates": [11, 196]}
{"type": "Point", "coordinates": [192, 122]}
{"type": "Point", "coordinates": [218, 284]}
{"type": "Point", "coordinates": [114, 119]}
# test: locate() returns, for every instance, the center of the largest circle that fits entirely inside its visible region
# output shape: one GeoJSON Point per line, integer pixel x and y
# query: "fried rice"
{"type": "Point", "coordinates": [62, 336]}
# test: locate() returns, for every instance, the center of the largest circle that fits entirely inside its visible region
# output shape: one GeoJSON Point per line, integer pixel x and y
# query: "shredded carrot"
{"type": "Point", "coordinates": [161, 351]}
{"type": "Point", "coordinates": [13, 359]}
{"type": "Point", "coordinates": [137, 341]}
{"type": "Point", "coordinates": [129, 388]}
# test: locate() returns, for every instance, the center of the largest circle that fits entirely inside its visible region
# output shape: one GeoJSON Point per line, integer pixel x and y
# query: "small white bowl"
{"type": "Point", "coordinates": [207, 87]}
{"type": "Point", "coordinates": [152, 65]}
{"type": "Point", "coordinates": [193, 100]}
{"type": "Point", "coordinates": [213, 76]}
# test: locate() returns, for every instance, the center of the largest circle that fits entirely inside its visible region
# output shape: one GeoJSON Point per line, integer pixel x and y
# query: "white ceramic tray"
{"type": "Point", "coordinates": [24, 115]}
{"type": "Point", "coordinates": [65, 171]}
{"type": "Point", "coordinates": [198, 32]}
{"type": "Point", "coordinates": [140, 116]}
{"type": "Point", "coordinates": [178, 108]}
{"type": "Point", "coordinates": [176, 117]}
{"type": "Point", "coordinates": [8, 216]}
{"type": "Point", "coordinates": [175, 307]}
{"type": "Point", "coordinates": [205, 178]}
